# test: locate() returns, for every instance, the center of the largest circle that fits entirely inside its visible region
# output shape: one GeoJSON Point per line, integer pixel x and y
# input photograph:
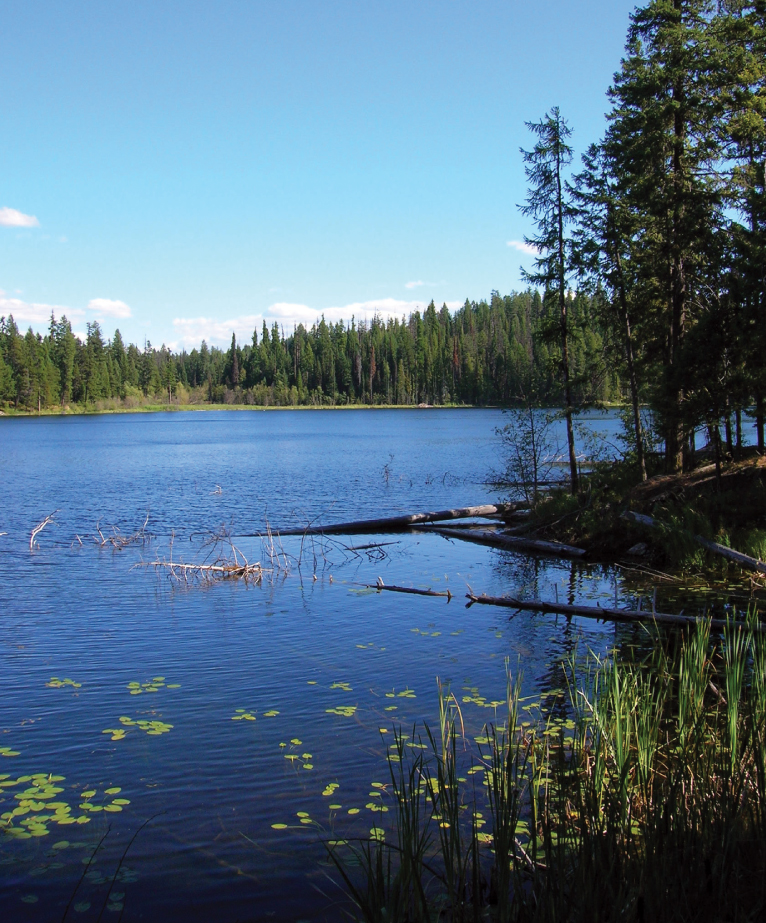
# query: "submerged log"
{"type": "Point", "coordinates": [743, 560]}
{"type": "Point", "coordinates": [513, 542]}
{"type": "Point", "coordinates": [395, 523]}
{"type": "Point", "coordinates": [597, 612]}
{"type": "Point", "coordinates": [405, 589]}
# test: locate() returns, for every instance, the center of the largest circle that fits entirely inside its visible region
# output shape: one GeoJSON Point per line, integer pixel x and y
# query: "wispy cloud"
{"type": "Point", "coordinates": [524, 247]}
{"type": "Point", "coordinates": [106, 307]}
{"type": "Point", "coordinates": [414, 284]}
{"type": "Point", "coordinates": [192, 330]}
{"type": "Point", "coordinates": [12, 218]}
{"type": "Point", "coordinates": [35, 312]}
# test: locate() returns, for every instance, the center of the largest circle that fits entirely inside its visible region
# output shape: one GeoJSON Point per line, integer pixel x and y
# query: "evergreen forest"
{"type": "Point", "coordinates": [485, 353]}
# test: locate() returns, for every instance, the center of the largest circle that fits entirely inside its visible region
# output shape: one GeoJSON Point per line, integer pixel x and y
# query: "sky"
{"type": "Point", "coordinates": [185, 170]}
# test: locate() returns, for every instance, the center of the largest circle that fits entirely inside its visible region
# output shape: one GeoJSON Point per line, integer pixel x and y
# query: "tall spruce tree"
{"type": "Point", "coordinates": [604, 261]}
{"type": "Point", "coordinates": [665, 153]}
{"type": "Point", "coordinates": [549, 206]}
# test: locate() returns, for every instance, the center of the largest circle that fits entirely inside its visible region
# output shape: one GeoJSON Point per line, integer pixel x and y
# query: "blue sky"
{"type": "Point", "coordinates": [183, 170]}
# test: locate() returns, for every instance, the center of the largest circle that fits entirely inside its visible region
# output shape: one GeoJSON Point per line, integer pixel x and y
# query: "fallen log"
{"type": "Point", "coordinates": [395, 523]}
{"type": "Point", "coordinates": [513, 542]}
{"type": "Point", "coordinates": [597, 612]}
{"type": "Point", "coordinates": [743, 560]}
{"type": "Point", "coordinates": [405, 589]}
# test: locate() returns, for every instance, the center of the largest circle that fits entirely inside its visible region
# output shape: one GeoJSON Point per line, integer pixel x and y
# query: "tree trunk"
{"type": "Point", "coordinates": [637, 427]}
{"type": "Point", "coordinates": [565, 335]}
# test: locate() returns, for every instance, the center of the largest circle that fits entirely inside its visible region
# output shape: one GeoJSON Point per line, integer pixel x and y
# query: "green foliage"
{"type": "Point", "coordinates": [643, 800]}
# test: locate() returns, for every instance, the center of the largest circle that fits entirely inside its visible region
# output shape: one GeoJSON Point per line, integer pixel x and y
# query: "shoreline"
{"type": "Point", "coordinates": [10, 413]}
{"type": "Point", "coordinates": [201, 408]}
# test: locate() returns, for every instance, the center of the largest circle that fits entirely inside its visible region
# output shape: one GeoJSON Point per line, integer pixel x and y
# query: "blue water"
{"type": "Point", "coordinates": [306, 640]}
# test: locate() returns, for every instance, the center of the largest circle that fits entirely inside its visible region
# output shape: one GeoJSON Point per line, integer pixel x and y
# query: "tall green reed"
{"type": "Point", "coordinates": [652, 808]}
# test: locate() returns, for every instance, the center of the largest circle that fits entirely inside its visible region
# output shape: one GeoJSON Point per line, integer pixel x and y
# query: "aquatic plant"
{"type": "Point", "coordinates": [645, 800]}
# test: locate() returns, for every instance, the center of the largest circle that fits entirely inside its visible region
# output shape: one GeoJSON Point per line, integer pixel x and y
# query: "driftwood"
{"type": "Point", "coordinates": [39, 528]}
{"type": "Point", "coordinates": [513, 542]}
{"type": "Point", "coordinates": [597, 612]}
{"type": "Point", "coordinates": [395, 523]}
{"type": "Point", "coordinates": [404, 589]}
{"type": "Point", "coordinates": [743, 560]}
{"type": "Point", "coordinates": [209, 572]}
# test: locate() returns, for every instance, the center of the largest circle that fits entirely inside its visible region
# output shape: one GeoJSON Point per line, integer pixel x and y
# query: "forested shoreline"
{"type": "Point", "coordinates": [486, 353]}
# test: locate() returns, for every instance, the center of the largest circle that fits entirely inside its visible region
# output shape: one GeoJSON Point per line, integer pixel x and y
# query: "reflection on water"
{"type": "Point", "coordinates": [241, 724]}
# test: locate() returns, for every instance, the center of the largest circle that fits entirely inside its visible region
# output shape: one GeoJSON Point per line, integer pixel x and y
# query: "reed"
{"type": "Point", "coordinates": [647, 802]}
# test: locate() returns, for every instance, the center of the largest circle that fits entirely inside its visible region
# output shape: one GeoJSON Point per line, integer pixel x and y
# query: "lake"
{"type": "Point", "coordinates": [176, 724]}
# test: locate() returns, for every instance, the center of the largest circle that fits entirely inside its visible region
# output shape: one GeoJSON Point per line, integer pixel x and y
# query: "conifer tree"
{"type": "Point", "coordinates": [548, 205]}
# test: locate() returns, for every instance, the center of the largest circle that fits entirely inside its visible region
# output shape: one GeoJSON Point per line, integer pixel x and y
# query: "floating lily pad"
{"type": "Point", "coordinates": [346, 711]}
{"type": "Point", "coordinates": [153, 685]}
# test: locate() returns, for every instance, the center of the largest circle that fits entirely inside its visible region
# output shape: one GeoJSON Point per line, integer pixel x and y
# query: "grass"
{"type": "Point", "coordinates": [646, 802]}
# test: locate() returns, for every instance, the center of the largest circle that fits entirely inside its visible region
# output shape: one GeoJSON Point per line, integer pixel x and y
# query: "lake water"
{"type": "Point", "coordinates": [316, 662]}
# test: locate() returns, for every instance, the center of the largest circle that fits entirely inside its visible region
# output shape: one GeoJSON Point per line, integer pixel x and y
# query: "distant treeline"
{"type": "Point", "coordinates": [495, 352]}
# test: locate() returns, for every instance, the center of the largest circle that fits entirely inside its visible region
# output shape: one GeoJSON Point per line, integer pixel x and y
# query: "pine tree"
{"type": "Point", "coordinates": [549, 207]}
{"type": "Point", "coordinates": [664, 150]}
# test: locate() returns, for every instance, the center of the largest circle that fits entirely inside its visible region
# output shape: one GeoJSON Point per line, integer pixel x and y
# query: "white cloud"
{"type": "Point", "coordinates": [106, 307]}
{"type": "Point", "coordinates": [32, 312]}
{"type": "Point", "coordinates": [414, 284]}
{"type": "Point", "coordinates": [12, 218]}
{"type": "Point", "coordinates": [193, 330]}
{"type": "Point", "coordinates": [524, 247]}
